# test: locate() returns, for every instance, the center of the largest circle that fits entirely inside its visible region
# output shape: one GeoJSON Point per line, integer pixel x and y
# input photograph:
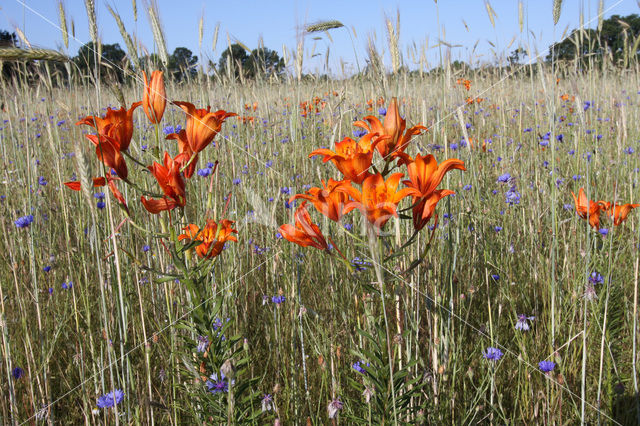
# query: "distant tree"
{"type": "Point", "coordinates": [234, 56]}
{"type": "Point", "coordinates": [8, 39]}
{"type": "Point", "coordinates": [182, 63]}
{"type": "Point", "coordinates": [263, 62]}
{"type": "Point", "coordinates": [610, 40]}
{"type": "Point", "coordinates": [112, 60]}
{"type": "Point", "coordinates": [515, 56]}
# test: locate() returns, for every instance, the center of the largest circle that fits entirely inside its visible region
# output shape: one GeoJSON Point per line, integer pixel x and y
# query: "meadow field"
{"type": "Point", "coordinates": [511, 303]}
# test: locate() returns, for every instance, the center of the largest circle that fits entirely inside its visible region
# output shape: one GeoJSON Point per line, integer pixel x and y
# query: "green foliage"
{"type": "Point", "coordinates": [617, 38]}
{"type": "Point", "coordinates": [182, 64]}
{"type": "Point", "coordinates": [112, 61]}
{"type": "Point", "coordinates": [261, 63]}
{"type": "Point", "coordinates": [375, 402]}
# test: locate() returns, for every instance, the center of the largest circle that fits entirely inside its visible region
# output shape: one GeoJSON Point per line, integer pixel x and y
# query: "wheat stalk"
{"type": "Point", "coordinates": [22, 37]}
{"type": "Point", "coordinates": [215, 37]}
{"type": "Point", "coordinates": [557, 8]}
{"type": "Point", "coordinates": [600, 14]}
{"type": "Point", "coordinates": [63, 24]}
{"type": "Point", "coordinates": [491, 13]}
{"type": "Point", "coordinates": [90, 6]}
{"type": "Point", "coordinates": [201, 31]}
{"type": "Point", "coordinates": [133, 54]}
{"type": "Point", "coordinates": [158, 35]}
{"type": "Point", "coordinates": [323, 26]}
{"type": "Point", "coordinates": [16, 54]}
{"type": "Point", "coordinates": [520, 15]}
{"type": "Point", "coordinates": [135, 10]}
{"type": "Point", "coordinates": [392, 38]}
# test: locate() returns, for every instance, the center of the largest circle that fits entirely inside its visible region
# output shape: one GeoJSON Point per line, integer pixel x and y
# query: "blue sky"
{"type": "Point", "coordinates": [278, 23]}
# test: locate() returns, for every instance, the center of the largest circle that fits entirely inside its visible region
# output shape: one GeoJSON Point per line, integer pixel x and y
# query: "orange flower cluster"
{"type": "Point", "coordinates": [115, 130]}
{"type": "Point", "coordinates": [378, 103]}
{"type": "Point", "coordinates": [375, 194]}
{"type": "Point", "coordinates": [591, 210]}
{"type": "Point", "coordinates": [464, 82]}
{"type": "Point", "coordinates": [313, 107]}
{"type": "Point", "coordinates": [213, 237]}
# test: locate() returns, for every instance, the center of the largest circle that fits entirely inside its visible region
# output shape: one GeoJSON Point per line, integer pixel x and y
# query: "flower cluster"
{"type": "Point", "coordinates": [592, 210]}
{"type": "Point", "coordinates": [375, 194]}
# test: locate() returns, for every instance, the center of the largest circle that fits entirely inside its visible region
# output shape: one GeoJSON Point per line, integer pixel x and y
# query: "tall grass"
{"type": "Point", "coordinates": [120, 325]}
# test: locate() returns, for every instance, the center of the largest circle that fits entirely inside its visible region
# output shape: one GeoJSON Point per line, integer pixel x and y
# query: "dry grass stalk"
{"type": "Point", "coordinates": [131, 48]}
{"type": "Point", "coordinates": [16, 54]}
{"type": "Point", "coordinates": [557, 8]}
{"type": "Point", "coordinates": [393, 36]}
{"type": "Point", "coordinates": [158, 35]}
{"type": "Point", "coordinates": [323, 26]}
{"type": "Point", "coordinates": [215, 37]}
{"type": "Point", "coordinates": [90, 6]}
{"type": "Point", "coordinates": [63, 24]}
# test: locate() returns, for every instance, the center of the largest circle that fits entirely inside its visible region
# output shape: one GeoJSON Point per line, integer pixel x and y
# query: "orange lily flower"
{"type": "Point", "coordinates": [305, 233]}
{"type": "Point", "coordinates": [327, 200]}
{"type": "Point", "coordinates": [185, 153]}
{"type": "Point", "coordinates": [587, 209]}
{"type": "Point", "coordinates": [352, 158]}
{"type": "Point", "coordinates": [393, 126]}
{"type": "Point", "coordinates": [117, 124]}
{"type": "Point", "coordinates": [172, 184]}
{"type": "Point", "coordinates": [213, 236]}
{"type": "Point", "coordinates": [379, 199]}
{"type": "Point", "coordinates": [154, 96]}
{"type": "Point", "coordinates": [202, 125]}
{"type": "Point", "coordinates": [107, 151]}
{"type": "Point", "coordinates": [424, 177]}
{"type": "Point", "coordinates": [619, 213]}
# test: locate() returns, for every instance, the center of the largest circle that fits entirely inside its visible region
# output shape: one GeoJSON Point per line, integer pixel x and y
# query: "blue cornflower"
{"type": "Point", "coordinates": [504, 178]}
{"type": "Point", "coordinates": [67, 285]}
{"type": "Point", "coordinates": [512, 196]}
{"type": "Point", "coordinates": [382, 111]}
{"type": "Point", "coordinates": [603, 231]}
{"type": "Point", "coordinates": [203, 343]}
{"type": "Point", "coordinates": [146, 248]}
{"type": "Point", "coordinates": [358, 366]}
{"type": "Point", "coordinates": [99, 195]}
{"type": "Point", "coordinates": [110, 399]}
{"type": "Point", "coordinates": [495, 277]}
{"type": "Point", "coordinates": [42, 181]}
{"type": "Point", "coordinates": [285, 190]}
{"type": "Point", "coordinates": [100, 204]}
{"type": "Point", "coordinates": [467, 187]}
{"type": "Point", "coordinates": [24, 221]}
{"type": "Point", "coordinates": [546, 366]}
{"type": "Point", "coordinates": [629, 150]}
{"type": "Point", "coordinates": [204, 172]}
{"type": "Point", "coordinates": [47, 268]}
{"type": "Point", "coordinates": [348, 226]}
{"type": "Point", "coordinates": [523, 322]}
{"type": "Point", "coordinates": [218, 386]}
{"type": "Point", "coordinates": [278, 299]}
{"type": "Point", "coordinates": [358, 133]}
{"type": "Point", "coordinates": [17, 373]}
{"type": "Point", "coordinates": [268, 163]}
{"type": "Point", "coordinates": [267, 403]}
{"type": "Point", "coordinates": [596, 278]}
{"type": "Point", "coordinates": [492, 354]}
{"type": "Point", "coordinates": [497, 228]}
{"type": "Point", "coordinates": [237, 181]}
{"type": "Point", "coordinates": [453, 146]}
